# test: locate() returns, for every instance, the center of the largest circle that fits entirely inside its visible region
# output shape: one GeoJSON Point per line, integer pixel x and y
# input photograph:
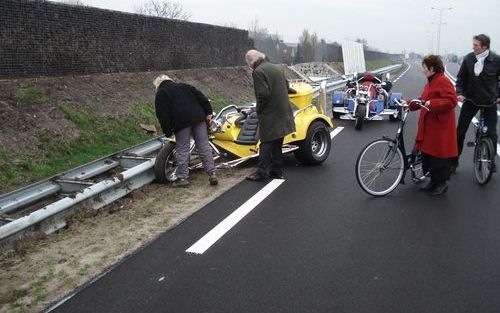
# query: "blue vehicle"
{"type": "Point", "coordinates": [366, 98]}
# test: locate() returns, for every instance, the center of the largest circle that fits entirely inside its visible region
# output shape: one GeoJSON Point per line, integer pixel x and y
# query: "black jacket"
{"type": "Point", "coordinates": [179, 106]}
{"type": "Point", "coordinates": [483, 89]}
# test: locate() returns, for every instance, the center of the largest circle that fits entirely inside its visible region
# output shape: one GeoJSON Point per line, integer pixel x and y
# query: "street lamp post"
{"type": "Point", "coordinates": [439, 26]}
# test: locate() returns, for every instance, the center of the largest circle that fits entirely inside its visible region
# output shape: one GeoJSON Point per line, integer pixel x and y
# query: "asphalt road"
{"type": "Point", "coordinates": [318, 243]}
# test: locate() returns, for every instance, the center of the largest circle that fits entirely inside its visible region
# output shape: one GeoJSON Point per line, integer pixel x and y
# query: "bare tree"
{"type": "Point", "coordinates": [308, 44]}
{"type": "Point", "coordinates": [231, 25]}
{"type": "Point", "coordinates": [163, 8]}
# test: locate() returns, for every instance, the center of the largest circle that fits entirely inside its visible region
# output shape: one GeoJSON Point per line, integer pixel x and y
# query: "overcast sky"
{"type": "Point", "coordinates": [388, 25]}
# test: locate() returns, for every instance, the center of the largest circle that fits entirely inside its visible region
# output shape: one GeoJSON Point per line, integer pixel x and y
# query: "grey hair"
{"type": "Point", "coordinates": [253, 56]}
{"type": "Point", "coordinates": [160, 79]}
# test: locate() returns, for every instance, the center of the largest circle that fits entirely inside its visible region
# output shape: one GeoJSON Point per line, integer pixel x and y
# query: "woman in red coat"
{"type": "Point", "coordinates": [436, 135]}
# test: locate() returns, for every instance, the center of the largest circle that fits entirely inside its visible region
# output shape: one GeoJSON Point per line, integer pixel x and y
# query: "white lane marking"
{"type": "Point", "coordinates": [402, 74]}
{"type": "Point", "coordinates": [223, 227]}
{"type": "Point", "coordinates": [335, 132]}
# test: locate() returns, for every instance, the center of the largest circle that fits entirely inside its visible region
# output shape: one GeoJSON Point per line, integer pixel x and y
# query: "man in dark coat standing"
{"type": "Point", "coordinates": [185, 111]}
{"type": "Point", "coordinates": [477, 80]}
{"type": "Point", "coordinates": [274, 113]}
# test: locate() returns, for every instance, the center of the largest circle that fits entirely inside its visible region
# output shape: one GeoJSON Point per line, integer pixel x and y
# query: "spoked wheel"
{"type": "Point", "coordinates": [166, 164]}
{"type": "Point", "coordinates": [380, 167]}
{"type": "Point", "coordinates": [360, 116]}
{"type": "Point", "coordinates": [484, 156]}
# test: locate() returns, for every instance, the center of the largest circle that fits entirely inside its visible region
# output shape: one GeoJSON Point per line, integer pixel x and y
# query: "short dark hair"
{"type": "Point", "coordinates": [435, 62]}
{"type": "Point", "coordinates": [483, 39]}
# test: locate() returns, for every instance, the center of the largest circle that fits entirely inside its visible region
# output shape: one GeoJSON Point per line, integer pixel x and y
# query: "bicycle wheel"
{"type": "Point", "coordinates": [380, 167]}
{"type": "Point", "coordinates": [484, 156]}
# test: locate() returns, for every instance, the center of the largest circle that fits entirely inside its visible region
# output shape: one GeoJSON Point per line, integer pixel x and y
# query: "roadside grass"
{"type": "Point", "coordinates": [218, 103]}
{"type": "Point", "coordinates": [97, 138]}
{"type": "Point", "coordinates": [376, 64]}
{"type": "Point", "coordinates": [31, 94]}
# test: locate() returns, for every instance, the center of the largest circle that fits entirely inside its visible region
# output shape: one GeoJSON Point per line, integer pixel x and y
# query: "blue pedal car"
{"type": "Point", "coordinates": [366, 98]}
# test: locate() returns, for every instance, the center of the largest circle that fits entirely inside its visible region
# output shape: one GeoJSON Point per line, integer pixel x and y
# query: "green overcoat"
{"type": "Point", "coordinates": [273, 106]}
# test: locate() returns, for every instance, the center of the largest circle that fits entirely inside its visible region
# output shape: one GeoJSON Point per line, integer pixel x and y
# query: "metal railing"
{"type": "Point", "coordinates": [79, 186]}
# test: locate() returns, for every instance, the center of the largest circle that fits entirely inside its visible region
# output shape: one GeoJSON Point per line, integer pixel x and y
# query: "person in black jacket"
{"type": "Point", "coordinates": [184, 111]}
{"type": "Point", "coordinates": [477, 80]}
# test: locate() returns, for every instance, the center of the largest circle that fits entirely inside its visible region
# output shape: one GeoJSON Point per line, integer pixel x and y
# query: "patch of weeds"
{"type": "Point", "coordinates": [146, 112]}
{"type": "Point", "coordinates": [39, 291]}
{"type": "Point", "coordinates": [81, 117]}
{"type": "Point", "coordinates": [82, 271]}
{"type": "Point", "coordinates": [164, 222]}
{"type": "Point", "coordinates": [218, 103]}
{"type": "Point", "coordinates": [31, 94]}
{"type": "Point", "coordinates": [11, 296]}
{"type": "Point", "coordinates": [376, 64]}
{"type": "Point", "coordinates": [69, 282]}
{"type": "Point", "coordinates": [66, 279]}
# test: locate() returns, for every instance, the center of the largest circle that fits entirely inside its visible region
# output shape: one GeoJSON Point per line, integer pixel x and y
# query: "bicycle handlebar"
{"type": "Point", "coordinates": [418, 101]}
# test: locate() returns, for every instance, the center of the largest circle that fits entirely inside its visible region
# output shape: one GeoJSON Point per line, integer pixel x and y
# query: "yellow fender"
{"type": "Point", "coordinates": [303, 120]}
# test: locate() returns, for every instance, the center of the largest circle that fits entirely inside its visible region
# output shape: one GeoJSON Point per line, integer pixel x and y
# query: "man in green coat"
{"type": "Point", "coordinates": [274, 113]}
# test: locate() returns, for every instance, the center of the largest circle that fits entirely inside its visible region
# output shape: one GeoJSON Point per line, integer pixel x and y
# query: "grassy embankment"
{"type": "Point", "coordinates": [97, 138]}
{"type": "Point", "coordinates": [376, 64]}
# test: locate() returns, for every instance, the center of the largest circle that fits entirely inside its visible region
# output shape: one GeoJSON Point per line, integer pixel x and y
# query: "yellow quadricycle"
{"type": "Point", "coordinates": [234, 133]}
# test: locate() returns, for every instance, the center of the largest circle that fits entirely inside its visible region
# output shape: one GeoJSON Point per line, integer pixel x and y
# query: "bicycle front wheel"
{"type": "Point", "coordinates": [484, 156]}
{"type": "Point", "coordinates": [380, 167]}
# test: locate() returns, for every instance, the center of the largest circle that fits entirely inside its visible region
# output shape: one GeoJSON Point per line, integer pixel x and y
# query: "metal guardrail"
{"type": "Point", "coordinates": [78, 187]}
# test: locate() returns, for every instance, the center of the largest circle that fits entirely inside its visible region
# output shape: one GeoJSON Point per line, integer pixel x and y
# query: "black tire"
{"type": "Point", "coordinates": [316, 147]}
{"type": "Point", "coordinates": [380, 168]}
{"type": "Point", "coordinates": [336, 115]}
{"type": "Point", "coordinates": [484, 158]}
{"type": "Point", "coordinates": [360, 117]}
{"type": "Point", "coordinates": [166, 164]}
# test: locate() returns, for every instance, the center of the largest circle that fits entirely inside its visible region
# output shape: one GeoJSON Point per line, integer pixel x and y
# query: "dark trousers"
{"type": "Point", "coordinates": [467, 113]}
{"type": "Point", "coordinates": [270, 157]}
{"type": "Point", "coordinates": [439, 169]}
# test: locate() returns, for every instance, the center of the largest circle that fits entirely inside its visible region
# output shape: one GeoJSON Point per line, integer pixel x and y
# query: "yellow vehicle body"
{"type": "Point", "coordinates": [304, 95]}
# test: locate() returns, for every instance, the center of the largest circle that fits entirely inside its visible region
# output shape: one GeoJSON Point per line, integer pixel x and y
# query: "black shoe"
{"type": "Point", "coordinates": [439, 189]}
{"type": "Point", "coordinates": [256, 177]}
{"type": "Point", "coordinates": [428, 186]}
{"type": "Point", "coordinates": [276, 175]}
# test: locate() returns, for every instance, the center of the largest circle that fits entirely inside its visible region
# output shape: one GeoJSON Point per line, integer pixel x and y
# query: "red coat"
{"type": "Point", "coordinates": [437, 134]}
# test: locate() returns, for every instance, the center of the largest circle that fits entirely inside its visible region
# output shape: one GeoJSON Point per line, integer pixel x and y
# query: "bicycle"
{"type": "Point", "coordinates": [381, 166]}
{"type": "Point", "coordinates": [484, 149]}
